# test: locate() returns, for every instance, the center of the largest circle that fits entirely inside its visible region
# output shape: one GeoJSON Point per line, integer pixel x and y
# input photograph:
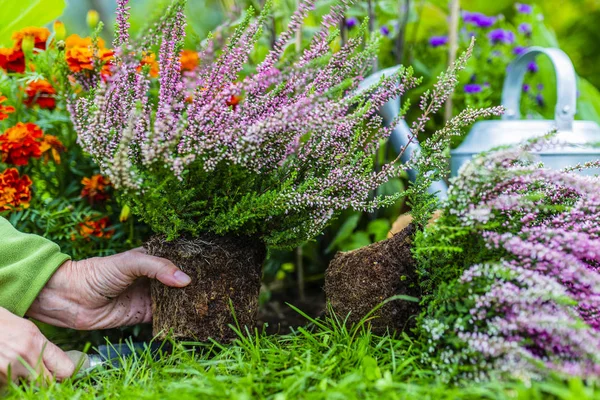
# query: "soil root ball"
{"type": "Point", "coordinates": [223, 269]}
{"type": "Point", "coordinates": [357, 281]}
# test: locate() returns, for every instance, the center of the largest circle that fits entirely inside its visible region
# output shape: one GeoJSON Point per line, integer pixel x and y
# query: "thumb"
{"type": "Point", "coordinates": [57, 361]}
{"type": "Point", "coordinates": [136, 265]}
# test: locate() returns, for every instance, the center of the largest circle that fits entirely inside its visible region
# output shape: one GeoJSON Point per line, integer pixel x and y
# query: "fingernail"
{"type": "Point", "coordinates": [182, 277]}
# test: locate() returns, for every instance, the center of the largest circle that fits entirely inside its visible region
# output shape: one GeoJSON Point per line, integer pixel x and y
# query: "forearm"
{"type": "Point", "coordinates": [27, 262]}
{"type": "Point", "coordinates": [55, 304]}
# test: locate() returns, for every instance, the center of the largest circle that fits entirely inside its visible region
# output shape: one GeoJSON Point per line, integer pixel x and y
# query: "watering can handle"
{"type": "Point", "coordinates": [566, 78]}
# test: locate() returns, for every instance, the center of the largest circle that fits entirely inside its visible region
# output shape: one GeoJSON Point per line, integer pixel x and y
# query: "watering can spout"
{"type": "Point", "coordinates": [401, 133]}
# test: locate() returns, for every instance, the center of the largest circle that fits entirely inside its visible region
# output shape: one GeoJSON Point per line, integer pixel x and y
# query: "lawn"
{"type": "Point", "coordinates": [324, 360]}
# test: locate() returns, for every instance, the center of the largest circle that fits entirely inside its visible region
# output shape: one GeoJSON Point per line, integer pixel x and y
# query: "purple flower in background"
{"type": "Point", "coordinates": [524, 8]}
{"type": "Point", "coordinates": [540, 86]}
{"type": "Point", "coordinates": [501, 36]}
{"type": "Point", "coordinates": [437, 41]}
{"type": "Point", "coordinates": [472, 88]}
{"type": "Point", "coordinates": [533, 67]}
{"type": "Point", "coordinates": [539, 99]}
{"type": "Point", "coordinates": [525, 29]}
{"type": "Point", "coordinates": [517, 51]}
{"type": "Point", "coordinates": [351, 22]}
{"type": "Point", "coordinates": [385, 31]}
{"type": "Point", "coordinates": [478, 19]}
{"type": "Point", "coordinates": [526, 88]}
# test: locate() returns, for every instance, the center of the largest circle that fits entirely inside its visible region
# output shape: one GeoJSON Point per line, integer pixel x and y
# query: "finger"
{"type": "Point", "coordinates": [57, 362]}
{"type": "Point", "coordinates": [32, 372]}
{"type": "Point", "coordinates": [140, 250]}
{"type": "Point", "coordinates": [138, 265]}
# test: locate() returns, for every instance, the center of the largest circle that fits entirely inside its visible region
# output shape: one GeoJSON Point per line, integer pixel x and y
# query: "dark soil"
{"type": "Point", "coordinates": [223, 269]}
{"type": "Point", "coordinates": [276, 317]}
{"type": "Point", "coordinates": [357, 281]}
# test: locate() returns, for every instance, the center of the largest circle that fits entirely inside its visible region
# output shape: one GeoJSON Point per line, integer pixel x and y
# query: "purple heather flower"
{"type": "Point", "coordinates": [524, 8]}
{"type": "Point", "coordinates": [517, 51]}
{"type": "Point", "coordinates": [501, 36]}
{"type": "Point", "coordinates": [437, 41]}
{"type": "Point", "coordinates": [351, 22]}
{"type": "Point", "coordinates": [540, 86]}
{"type": "Point", "coordinates": [525, 29]}
{"type": "Point", "coordinates": [533, 67]}
{"type": "Point", "coordinates": [478, 19]}
{"type": "Point", "coordinates": [472, 88]}
{"type": "Point", "coordinates": [526, 87]}
{"type": "Point", "coordinates": [385, 31]}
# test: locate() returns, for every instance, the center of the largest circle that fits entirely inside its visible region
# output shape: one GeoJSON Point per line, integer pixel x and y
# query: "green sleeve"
{"type": "Point", "coordinates": [26, 264]}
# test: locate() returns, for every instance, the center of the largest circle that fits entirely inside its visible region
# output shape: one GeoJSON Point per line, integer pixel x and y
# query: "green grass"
{"type": "Point", "coordinates": [325, 360]}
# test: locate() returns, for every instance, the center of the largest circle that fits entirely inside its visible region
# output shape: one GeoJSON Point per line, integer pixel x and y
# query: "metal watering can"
{"type": "Point", "coordinates": [575, 137]}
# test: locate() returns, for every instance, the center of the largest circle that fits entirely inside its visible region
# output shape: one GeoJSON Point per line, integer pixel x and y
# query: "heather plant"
{"type": "Point", "coordinates": [509, 272]}
{"type": "Point", "coordinates": [273, 153]}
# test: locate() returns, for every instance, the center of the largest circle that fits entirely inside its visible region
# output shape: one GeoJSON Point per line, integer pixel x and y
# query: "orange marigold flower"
{"type": "Point", "coordinates": [5, 110]}
{"type": "Point", "coordinates": [234, 101]}
{"type": "Point", "coordinates": [95, 188]}
{"type": "Point", "coordinates": [39, 35]}
{"type": "Point", "coordinates": [189, 60]}
{"type": "Point", "coordinates": [80, 54]}
{"type": "Point", "coordinates": [97, 228]}
{"type": "Point", "coordinates": [42, 93]}
{"type": "Point", "coordinates": [51, 146]}
{"type": "Point", "coordinates": [15, 191]}
{"type": "Point", "coordinates": [78, 41]}
{"type": "Point", "coordinates": [150, 59]}
{"type": "Point", "coordinates": [20, 143]}
{"type": "Point", "coordinates": [12, 60]}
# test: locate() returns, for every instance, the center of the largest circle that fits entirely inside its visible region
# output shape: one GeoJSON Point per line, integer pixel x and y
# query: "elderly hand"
{"type": "Point", "coordinates": [106, 292]}
{"type": "Point", "coordinates": [27, 353]}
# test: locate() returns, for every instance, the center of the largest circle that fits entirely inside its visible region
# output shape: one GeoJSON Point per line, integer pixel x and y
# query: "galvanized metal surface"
{"type": "Point", "coordinates": [574, 139]}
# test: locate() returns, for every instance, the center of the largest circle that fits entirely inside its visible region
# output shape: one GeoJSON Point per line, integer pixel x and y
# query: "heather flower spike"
{"type": "Point", "coordinates": [275, 153]}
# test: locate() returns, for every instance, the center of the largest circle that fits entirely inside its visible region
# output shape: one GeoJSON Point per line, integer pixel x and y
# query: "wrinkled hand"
{"type": "Point", "coordinates": [106, 292]}
{"type": "Point", "coordinates": [27, 353]}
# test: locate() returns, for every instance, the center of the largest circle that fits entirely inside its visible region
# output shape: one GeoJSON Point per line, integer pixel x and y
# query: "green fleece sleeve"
{"type": "Point", "coordinates": [26, 264]}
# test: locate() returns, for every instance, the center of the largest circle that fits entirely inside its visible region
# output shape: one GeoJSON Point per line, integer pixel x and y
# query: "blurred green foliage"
{"type": "Point", "coordinates": [15, 15]}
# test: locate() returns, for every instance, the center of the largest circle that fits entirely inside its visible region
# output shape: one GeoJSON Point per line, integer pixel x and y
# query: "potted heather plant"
{"type": "Point", "coordinates": [227, 159]}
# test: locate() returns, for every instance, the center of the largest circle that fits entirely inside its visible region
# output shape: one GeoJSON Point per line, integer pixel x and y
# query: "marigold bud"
{"type": "Point", "coordinates": [93, 18]}
{"type": "Point", "coordinates": [28, 44]}
{"type": "Point", "coordinates": [60, 32]}
{"type": "Point", "coordinates": [125, 213]}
